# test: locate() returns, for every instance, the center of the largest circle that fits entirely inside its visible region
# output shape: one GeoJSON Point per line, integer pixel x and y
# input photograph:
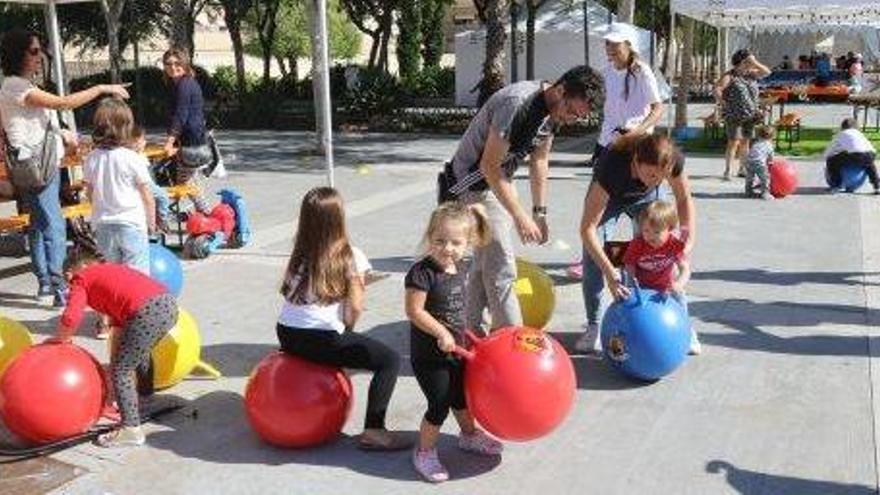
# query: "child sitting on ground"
{"type": "Point", "coordinates": [140, 309]}
{"type": "Point", "coordinates": [653, 257]}
{"type": "Point", "coordinates": [850, 147]}
{"type": "Point", "coordinates": [435, 306]}
{"type": "Point", "coordinates": [758, 164]}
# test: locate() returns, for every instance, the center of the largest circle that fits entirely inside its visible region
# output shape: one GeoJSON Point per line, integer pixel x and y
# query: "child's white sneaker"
{"type": "Point", "coordinates": [127, 436]}
{"type": "Point", "coordinates": [428, 465]}
{"type": "Point", "coordinates": [480, 443]}
{"type": "Point", "coordinates": [696, 348]}
{"type": "Point", "coordinates": [589, 342]}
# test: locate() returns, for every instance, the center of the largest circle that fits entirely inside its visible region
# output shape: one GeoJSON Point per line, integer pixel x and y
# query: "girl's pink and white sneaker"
{"type": "Point", "coordinates": [575, 271]}
{"type": "Point", "coordinates": [428, 465]}
{"type": "Point", "coordinates": [479, 442]}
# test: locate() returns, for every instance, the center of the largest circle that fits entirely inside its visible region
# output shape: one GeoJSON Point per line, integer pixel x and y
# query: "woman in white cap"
{"type": "Point", "coordinates": [632, 98]}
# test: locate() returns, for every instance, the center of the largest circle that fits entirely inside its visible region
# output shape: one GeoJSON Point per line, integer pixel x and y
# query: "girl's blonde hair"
{"type": "Point", "coordinates": [113, 124]}
{"type": "Point", "coordinates": [479, 233]}
{"type": "Point", "coordinates": [320, 265]}
{"type": "Point", "coordinates": [660, 214]}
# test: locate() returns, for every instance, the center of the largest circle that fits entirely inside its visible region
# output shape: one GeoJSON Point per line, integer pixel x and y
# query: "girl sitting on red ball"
{"type": "Point", "coordinates": [323, 292]}
{"type": "Point", "coordinates": [142, 312]}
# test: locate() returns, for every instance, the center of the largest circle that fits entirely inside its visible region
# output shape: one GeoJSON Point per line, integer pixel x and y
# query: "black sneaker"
{"type": "Point", "coordinates": [60, 299]}
{"type": "Point", "coordinates": [44, 294]}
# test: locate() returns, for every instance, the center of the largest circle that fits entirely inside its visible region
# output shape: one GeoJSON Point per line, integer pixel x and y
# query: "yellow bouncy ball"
{"type": "Point", "coordinates": [178, 353]}
{"type": "Point", "coordinates": [14, 338]}
{"type": "Point", "coordinates": [534, 289]}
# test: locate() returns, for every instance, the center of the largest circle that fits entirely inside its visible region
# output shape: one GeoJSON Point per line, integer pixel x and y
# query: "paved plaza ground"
{"type": "Point", "coordinates": [785, 295]}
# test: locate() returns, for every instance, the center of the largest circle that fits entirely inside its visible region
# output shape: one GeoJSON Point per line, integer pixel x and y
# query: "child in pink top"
{"type": "Point", "coordinates": [656, 258]}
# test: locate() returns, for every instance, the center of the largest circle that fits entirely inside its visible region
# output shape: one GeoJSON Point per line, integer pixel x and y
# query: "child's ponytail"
{"type": "Point", "coordinates": [481, 231]}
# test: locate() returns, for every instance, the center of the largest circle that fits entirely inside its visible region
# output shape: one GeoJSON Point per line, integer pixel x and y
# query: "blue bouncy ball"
{"type": "Point", "coordinates": [852, 177]}
{"type": "Point", "coordinates": [165, 267]}
{"type": "Point", "coordinates": [647, 335]}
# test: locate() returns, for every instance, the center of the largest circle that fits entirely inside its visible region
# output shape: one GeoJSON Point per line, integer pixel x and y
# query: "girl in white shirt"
{"type": "Point", "coordinates": [323, 298]}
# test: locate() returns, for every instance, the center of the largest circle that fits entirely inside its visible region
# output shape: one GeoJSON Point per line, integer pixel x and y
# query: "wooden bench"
{"type": "Point", "coordinates": [18, 223]}
{"type": "Point", "coordinates": [790, 124]}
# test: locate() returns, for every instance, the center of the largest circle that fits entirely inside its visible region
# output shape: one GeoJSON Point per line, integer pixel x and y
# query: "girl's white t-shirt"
{"type": "Point", "coordinates": [620, 111]}
{"type": "Point", "coordinates": [24, 125]}
{"type": "Point", "coordinates": [114, 176]}
{"type": "Point", "coordinates": [315, 316]}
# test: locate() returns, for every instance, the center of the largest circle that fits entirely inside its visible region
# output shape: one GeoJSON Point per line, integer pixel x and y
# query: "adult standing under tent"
{"type": "Point", "coordinates": [516, 123]}
{"type": "Point", "coordinates": [737, 93]}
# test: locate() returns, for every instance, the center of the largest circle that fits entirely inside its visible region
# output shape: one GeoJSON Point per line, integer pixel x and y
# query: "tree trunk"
{"type": "Point", "coordinates": [179, 30]}
{"type": "Point", "coordinates": [531, 13]}
{"type": "Point", "coordinates": [626, 10]}
{"type": "Point", "coordinates": [385, 27]}
{"type": "Point", "coordinates": [293, 65]}
{"type": "Point", "coordinates": [374, 48]}
{"type": "Point", "coordinates": [267, 62]}
{"type": "Point", "coordinates": [282, 66]}
{"type": "Point", "coordinates": [233, 24]}
{"type": "Point", "coordinates": [687, 73]}
{"type": "Point", "coordinates": [493, 66]}
{"type": "Point", "coordinates": [112, 11]}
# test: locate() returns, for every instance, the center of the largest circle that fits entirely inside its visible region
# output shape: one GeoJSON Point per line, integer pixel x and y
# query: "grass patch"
{"type": "Point", "coordinates": [812, 144]}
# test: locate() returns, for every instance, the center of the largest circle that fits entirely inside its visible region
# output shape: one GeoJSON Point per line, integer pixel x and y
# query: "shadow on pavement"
{"type": "Point", "coordinates": [747, 318]}
{"type": "Point", "coordinates": [748, 482]}
{"type": "Point", "coordinates": [758, 276]}
{"type": "Point", "coordinates": [220, 433]}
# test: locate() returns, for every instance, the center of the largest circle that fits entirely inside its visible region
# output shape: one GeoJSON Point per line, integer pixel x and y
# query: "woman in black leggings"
{"type": "Point", "coordinates": [323, 298]}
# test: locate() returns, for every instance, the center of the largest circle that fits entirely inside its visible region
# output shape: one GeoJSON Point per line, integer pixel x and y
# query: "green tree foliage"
{"type": "Point", "coordinates": [292, 40]}
{"type": "Point", "coordinates": [433, 37]}
{"type": "Point", "coordinates": [409, 38]}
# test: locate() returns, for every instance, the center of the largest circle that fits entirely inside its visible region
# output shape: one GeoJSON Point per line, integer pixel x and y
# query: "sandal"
{"type": "Point", "coordinates": [386, 442]}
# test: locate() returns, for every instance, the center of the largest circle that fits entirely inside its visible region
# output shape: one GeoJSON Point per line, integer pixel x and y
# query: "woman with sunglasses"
{"type": "Point", "coordinates": [187, 138]}
{"type": "Point", "coordinates": [26, 111]}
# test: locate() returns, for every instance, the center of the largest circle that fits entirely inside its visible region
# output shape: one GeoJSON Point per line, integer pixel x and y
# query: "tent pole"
{"type": "Point", "coordinates": [321, 70]}
{"type": "Point", "coordinates": [57, 58]}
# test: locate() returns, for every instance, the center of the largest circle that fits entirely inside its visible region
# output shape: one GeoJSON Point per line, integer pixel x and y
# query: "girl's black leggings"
{"type": "Point", "coordinates": [348, 350]}
{"type": "Point", "coordinates": [442, 382]}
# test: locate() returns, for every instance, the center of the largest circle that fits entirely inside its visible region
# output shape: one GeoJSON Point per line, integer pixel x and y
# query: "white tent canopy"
{"type": "Point", "coordinates": [754, 13]}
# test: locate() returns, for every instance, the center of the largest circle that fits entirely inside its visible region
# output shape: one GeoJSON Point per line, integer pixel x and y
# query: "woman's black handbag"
{"type": "Point", "coordinates": [31, 173]}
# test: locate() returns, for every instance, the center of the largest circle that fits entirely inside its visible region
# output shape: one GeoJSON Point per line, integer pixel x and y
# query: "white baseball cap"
{"type": "Point", "coordinates": [619, 32]}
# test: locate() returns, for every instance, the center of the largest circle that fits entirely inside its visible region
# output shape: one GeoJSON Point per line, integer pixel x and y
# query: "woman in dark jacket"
{"type": "Point", "coordinates": [187, 137]}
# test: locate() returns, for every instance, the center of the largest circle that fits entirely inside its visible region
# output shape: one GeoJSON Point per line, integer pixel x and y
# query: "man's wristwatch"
{"type": "Point", "coordinates": [539, 211]}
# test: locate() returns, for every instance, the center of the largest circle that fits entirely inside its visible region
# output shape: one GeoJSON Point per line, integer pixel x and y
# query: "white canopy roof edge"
{"type": "Point", "coordinates": [749, 13]}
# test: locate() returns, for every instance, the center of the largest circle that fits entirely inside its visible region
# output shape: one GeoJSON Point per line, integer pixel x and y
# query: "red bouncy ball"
{"type": "Point", "coordinates": [51, 392]}
{"type": "Point", "coordinates": [783, 178]}
{"type": "Point", "coordinates": [291, 402]}
{"type": "Point", "coordinates": [519, 383]}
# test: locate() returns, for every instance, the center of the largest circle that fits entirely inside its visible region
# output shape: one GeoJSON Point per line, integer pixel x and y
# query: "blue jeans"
{"type": "Point", "coordinates": [593, 281]}
{"type": "Point", "coordinates": [47, 235]}
{"type": "Point", "coordinates": [125, 244]}
{"type": "Point", "coordinates": [163, 203]}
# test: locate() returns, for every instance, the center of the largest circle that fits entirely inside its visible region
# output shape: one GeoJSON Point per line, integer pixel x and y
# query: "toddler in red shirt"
{"type": "Point", "coordinates": [142, 311]}
{"type": "Point", "coordinates": [656, 257]}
